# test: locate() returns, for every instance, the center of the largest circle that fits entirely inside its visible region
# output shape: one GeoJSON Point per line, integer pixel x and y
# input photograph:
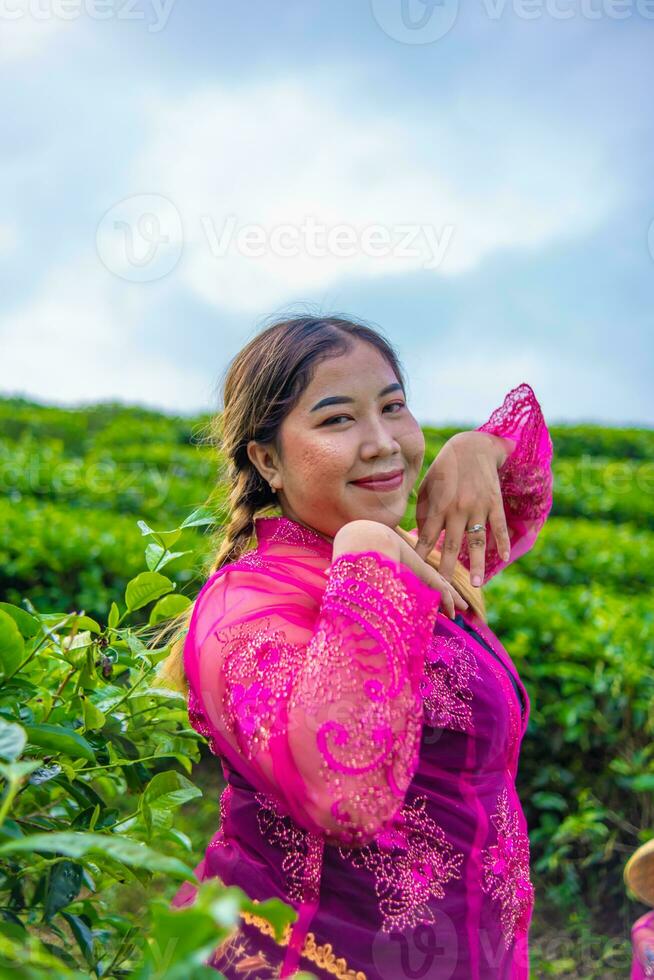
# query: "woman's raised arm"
{"type": "Point", "coordinates": [321, 712]}
{"type": "Point", "coordinates": [525, 475]}
{"type": "Point", "coordinates": [524, 481]}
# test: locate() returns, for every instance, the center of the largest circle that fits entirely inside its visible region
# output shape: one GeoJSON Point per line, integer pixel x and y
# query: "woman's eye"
{"type": "Point", "coordinates": [335, 418]}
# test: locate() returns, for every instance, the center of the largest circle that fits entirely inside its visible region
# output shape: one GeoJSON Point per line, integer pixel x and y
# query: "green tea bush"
{"type": "Point", "coordinates": [95, 761]}
{"type": "Point", "coordinates": [575, 613]}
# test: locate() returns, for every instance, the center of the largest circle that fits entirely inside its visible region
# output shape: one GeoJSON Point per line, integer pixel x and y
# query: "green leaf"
{"type": "Point", "coordinates": [28, 625]}
{"type": "Point", "coordinates": [167, 537]}
{"type": "Point", "coordinates": [60, 739]}
{"type": "Point", "coordinates": [74, 844]}
{"type": "Point", "coordinates": [93, 717]}
{"type": "Point", "coordinates": [644, 783]}
{"type": "Point", "coordinates": [64, 883]}
{"type": "Point", "coordinates": [85, 623]}
{"type": "Point", "coordinates": [180, 942]}
{"type": "Point", "coordinates": [170, 605]}
{"type": "Point", "coordinates": [168, 790]}
{"type": "Point", "coordinates": [165, 558]}
{"type": "Point", "coordinates": [201, 516]}
{"type": "Point", "coordinates": [114, 616]}
{"type": "Point", "coordinates": [15, 771]}
{"type": "Point", "coordinates": [12, 739]}
{"type": "Point", "coordinates": [145, 588]}
{"type": "Point", "coordinates": [12, 645]}
{"type": "Point", "coordinates": [153, 555]}
{"type": "Point", "coordinates": [83, 935]}
{"type": "Point", "coordinates": [165, 792]}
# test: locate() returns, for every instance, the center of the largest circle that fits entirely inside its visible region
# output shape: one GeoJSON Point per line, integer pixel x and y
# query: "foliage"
{"type": "Point", "coordinates": [95, 760]}
{"type": "Point", "coordinates": [576, 615]}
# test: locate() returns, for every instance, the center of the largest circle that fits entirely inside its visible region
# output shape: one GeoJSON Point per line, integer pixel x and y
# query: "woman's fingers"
{"type": "Point", "coordinates": [477, 550]}
{"type": "Point", "coordinates": [450, 598]}
{"type": "Point", "coordinates": [497, 519]}
{"type": "Point", "coordinates": [429, 532]}
{"type": "Point", "coordinates": [454, 531]}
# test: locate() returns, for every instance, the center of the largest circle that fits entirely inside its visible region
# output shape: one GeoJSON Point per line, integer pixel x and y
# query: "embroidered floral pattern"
{"type": "Point", "coordinates": [373, 632]}
{"type": "Point", "coordinates": [292, 532]}
{"type": "Point", "coordinates": [302, 850]}
{"type": "Point", "coordinates": [506, 870]}
{"type": "Point", "coordinates": [252, 559]}
{"type": "Point", "coordinates": [525, 476]}
{"type": "Point", "coordinates": [259, 665]}
{"type": "Point", "coordinates": [449, 667]}
{"type": "Point", "coordinates": [198, 721]}
{"type": "Point", "coordinates": [219, 839]}
{"type": "Point", "coordinates": [411, 861]}
{"type": "Point", "coordinates": [513, 711]}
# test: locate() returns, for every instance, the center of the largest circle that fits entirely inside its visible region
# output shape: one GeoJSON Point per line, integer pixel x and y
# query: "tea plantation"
{"type": "Point", "coordinates": [108, 517]}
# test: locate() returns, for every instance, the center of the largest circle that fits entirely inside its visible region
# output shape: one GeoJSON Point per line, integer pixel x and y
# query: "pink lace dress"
{"type": "Point", "coordinates": [370, 748]}
{"type": "Point", "coordinates": [643, 926]}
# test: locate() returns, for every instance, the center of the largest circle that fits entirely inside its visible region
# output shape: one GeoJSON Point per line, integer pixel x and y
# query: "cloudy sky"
{"type": "Point", "coordinates": [474, 179]}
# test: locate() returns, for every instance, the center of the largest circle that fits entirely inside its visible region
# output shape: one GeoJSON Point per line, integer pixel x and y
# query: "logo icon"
{"type": "Point", "coordinates": [415, 21]}
{"type": "Point", "coordinates": [140, 238]}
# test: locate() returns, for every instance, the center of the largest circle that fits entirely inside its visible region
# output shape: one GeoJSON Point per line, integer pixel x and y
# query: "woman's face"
{"type": "Point", "coordinates": [365, 429]}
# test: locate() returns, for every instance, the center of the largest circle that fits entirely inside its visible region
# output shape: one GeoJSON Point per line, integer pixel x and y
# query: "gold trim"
{"type": "Point", "coordinates": [323, 956]}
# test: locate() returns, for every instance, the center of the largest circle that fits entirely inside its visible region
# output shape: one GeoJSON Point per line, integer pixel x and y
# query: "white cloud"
{"type": "Point", "coordinates": [8, 238]}
{"type": "Point", "coordinates": [23, 33]}
{"type": "Point", "coordinates": [75, 341]}
{"type": "Point", "coordinates": [274, 153]}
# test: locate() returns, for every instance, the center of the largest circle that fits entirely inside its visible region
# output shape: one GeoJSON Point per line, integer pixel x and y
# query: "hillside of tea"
{"type": "Point", "coordinates": [108, 519]}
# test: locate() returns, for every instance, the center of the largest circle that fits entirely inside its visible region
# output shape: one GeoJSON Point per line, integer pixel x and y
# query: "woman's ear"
{"type": "Point", "coordinates": [264, 459]}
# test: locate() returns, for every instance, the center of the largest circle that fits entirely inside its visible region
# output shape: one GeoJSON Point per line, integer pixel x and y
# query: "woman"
{"type": "Point", "coordinates": [639, 876]}
{"type": "Point", "coordinates": [369, 742]}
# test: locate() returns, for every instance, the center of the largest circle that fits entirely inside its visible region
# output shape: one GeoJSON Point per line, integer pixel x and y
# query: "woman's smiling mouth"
{"type": "Point", "coordinates": [381, 481]}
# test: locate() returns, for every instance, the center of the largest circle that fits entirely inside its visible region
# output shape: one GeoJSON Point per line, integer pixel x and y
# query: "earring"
{"type": "Point", "coordinates": [273, 488]}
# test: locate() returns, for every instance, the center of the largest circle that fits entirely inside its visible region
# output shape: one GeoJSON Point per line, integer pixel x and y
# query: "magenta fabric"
{"type": "Point", "coordinates": [370, 748]}
{"type": "Point", "coordinates": [638, 970]}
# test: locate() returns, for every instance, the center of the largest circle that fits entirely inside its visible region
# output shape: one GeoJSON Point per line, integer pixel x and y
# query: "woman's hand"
{"type": "Point", "coordinates": [364, 535]}
{"type": "Point", "coordinates": [462, 488]}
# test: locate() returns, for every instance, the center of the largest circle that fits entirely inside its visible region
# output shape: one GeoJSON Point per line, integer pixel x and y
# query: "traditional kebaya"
{"type": "Point", "coordinates": [370, 747]}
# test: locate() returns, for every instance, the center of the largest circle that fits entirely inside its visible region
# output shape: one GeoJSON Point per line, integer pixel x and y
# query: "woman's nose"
{"type": "Point", "coordinates": [379, 439]}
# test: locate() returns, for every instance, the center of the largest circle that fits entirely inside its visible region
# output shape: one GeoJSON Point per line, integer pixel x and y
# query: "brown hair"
{"type": "Point", "coordinates": [262, 384]}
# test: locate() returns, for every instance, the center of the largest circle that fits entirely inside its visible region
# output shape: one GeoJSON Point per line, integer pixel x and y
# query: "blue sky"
{"type": "Point", "coordinates": [489, 164]}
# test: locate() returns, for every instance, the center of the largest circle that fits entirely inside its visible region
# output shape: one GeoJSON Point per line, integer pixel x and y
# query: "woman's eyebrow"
{"type": "Point", "coordinates": [342, 399]}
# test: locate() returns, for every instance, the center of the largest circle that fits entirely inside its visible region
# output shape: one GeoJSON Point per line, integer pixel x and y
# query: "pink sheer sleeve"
{"type": "Point", "coordinates": [525, 477]}
{"type": "Point", "coordinates": [321, 712]}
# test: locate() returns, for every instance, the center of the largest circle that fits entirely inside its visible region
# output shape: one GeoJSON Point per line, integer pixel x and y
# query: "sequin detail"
{"type": "Point", "coordinates": [198, 721]}
{"type": "Point", "coordinates": [506, 870]}
{"type": "Point", "coordinates": [374, 629]}
{"type": "Point", "coordinates": [302, 851]}
{"type": "Point", "coordinates": [449, 668]}
{"type": "Point", "coordinates": [219, 839]}
{"type": "Point", "coordinates": [285, 531]}
{"type": "Point", "coordinates": [411, 860]}
{"type": "Point", "coordinates": [259, 665]}
{"type": "Point", "coordinates": [252, 559]}
{"type": "Point", "coordinates": [513, 712]}
{"type": "Point", "coordinates": [525, 477]}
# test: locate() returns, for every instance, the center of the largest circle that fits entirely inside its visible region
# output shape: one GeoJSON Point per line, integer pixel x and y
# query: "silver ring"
{"type": "Point", "coordinates": [475, 527]}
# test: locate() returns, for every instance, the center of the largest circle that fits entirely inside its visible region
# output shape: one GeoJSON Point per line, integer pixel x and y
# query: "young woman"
{"type": "Point", "coordinates": [639, 876]}
{"type": "Point", "coordinates": [369, 741]}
